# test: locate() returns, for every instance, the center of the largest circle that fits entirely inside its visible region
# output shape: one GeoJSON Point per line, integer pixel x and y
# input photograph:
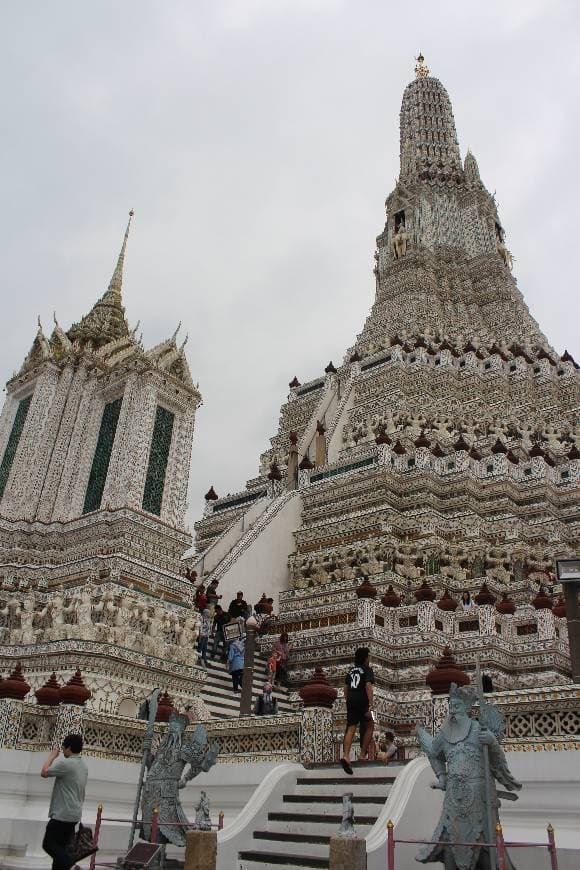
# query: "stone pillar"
{"type": "Point", "coordinates": [571, 592]}
{"type": "Point", "coordinates": [10, 717]}
{"type": "Point", "coordinates": [201, 850]}
{"type": "Point", "coordinates": [292, 471]}
{"type": "Point", "coordinates": [487, 617]}
{"type": "Point", "coordinates": [320, 445]}
{"type": "Point", "coordinates": [316, 735]}
{"type": "Point", "coordinates": [426, 616]}
{"type": "Point", "coordinates": [365, 616]}
{"type": "Point", "coordinates": [346, 853]}
{"type": "Point", "coordinates": [69, 720]}
{"type": "Point", "coordinates": [546, 625]}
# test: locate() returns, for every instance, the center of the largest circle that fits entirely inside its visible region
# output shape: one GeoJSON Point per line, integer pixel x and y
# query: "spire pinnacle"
{"type": "Point", "coordinates": [421, 68]}
{"type": "Point", "coordinates": [116, 282]}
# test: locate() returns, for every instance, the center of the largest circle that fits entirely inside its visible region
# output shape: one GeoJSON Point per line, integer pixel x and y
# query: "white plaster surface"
{"type": "Point", "coordinates": [24, 798]}
{"type": "Point", "coordinates": [263, 565]}
{"type": "Point", "coordinates": [551, 793]}
{"type": "Point", "coordinates": [208, 560]}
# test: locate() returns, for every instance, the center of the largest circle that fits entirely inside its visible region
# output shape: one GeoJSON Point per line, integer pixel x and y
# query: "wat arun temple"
{"type": "Point", "coordinates": [441, 455]}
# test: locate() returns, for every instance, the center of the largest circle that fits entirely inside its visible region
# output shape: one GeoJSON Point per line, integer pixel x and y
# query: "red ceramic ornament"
{"type": "Point", "coordinates": [317, 692]}
{"type": "Point", "coordinates": [445, 672]}
{"type": "Point", "coordinates": [75, 691]}
{"type": "Point", "coordinates": [49, 694]}
{"type": "Point", "coordinates": [15, 686]}
{"type": "Point", "coordinates": [366, 589]}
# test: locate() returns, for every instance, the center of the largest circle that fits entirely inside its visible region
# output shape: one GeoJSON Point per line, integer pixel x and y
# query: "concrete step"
{"type": "Point", "coordinates": [264, 860]}
{"type": "Point", "coordinates": [285, 837]}
{"type": "Point", "coordinates": [339, 780]}
{"type": "Point", "coordinates": [366, 768]}
{"type": "Point", "coordinates": [378, 788]}
{"type": "Point", "coordinates": [319, 822]}
{"type": "Point", "coordinates": [330, 800]}
{"type": "Point", "coordinates": [316, 847]}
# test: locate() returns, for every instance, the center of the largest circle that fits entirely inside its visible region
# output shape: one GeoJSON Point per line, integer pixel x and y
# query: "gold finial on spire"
{"type": "Point", "coordinates": [117, 279]}
{"type": "Point", "coordinates": [421, 68]}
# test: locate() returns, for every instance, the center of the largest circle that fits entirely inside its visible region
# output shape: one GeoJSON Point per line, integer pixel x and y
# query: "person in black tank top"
{"type": "Point", "coordinates": [358, 693]}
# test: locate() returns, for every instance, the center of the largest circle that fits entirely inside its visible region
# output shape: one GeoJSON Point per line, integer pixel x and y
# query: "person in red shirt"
{"type": "Point", "coordinates": [201, 598]}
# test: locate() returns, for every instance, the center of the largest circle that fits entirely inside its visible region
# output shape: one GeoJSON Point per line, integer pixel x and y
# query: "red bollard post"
{"type": "Point", "coordinates": [552, 848]}
{"type": "Point", "coordinates": [96, 837]}
{"type": "Point", "coordinates": [154, 825]}
{"type": "Point", "coordinates": [390, 846]}
{"type": "Point", "coordinates": [221, 820]}
{"type": "Point", "coordinates": [500, 845]}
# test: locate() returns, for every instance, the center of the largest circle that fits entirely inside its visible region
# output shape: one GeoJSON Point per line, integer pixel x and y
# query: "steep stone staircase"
{"type": "Point", "coordinates": [298, 828]}
{"type": "Point", "coordinates": [220, 699]}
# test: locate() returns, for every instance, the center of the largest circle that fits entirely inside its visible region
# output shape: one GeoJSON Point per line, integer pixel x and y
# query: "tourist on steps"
{"type": "Point", "coordinates": [387, 748]}
{"type": "Point", "coordinates": [281, 647]}
{"type": "Point", "coordinates": [212, 595]}
{"type": "Point", "coordinates": [219, 620]}
{"type": "Point", "coordinates": [238, 607]}
{"type": "Point", "coordinates": [201, 598]}
{"type": "Point", "coordinates": [358, 694]}
{"type": "Point", "coordinates": [203, 641]}
{"type": "Point", "coordinates": [66, 804]}
{"type": "Point", "coordinates": [236, 655]}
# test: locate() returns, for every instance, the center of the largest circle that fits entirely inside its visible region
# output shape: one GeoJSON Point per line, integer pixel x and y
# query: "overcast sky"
{"type": "Point", "coordinates": [257, 141]}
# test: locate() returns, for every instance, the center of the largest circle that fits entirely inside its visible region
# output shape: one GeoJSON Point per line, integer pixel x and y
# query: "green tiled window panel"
{"type": "Point", "coordinates": [102, 457]}
{"type": "Point", "coordinates": [13, 441]}
{"type": "Point", "coordinates": [157, 468]}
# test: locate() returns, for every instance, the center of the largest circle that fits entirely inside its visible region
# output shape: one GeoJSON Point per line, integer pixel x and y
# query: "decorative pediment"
{"type": "Point", "coordinates": [39, 352]}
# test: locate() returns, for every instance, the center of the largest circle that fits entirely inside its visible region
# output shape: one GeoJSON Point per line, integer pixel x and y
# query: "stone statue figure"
{"type": "Point", "coordinates": [202, 819]}
{"type": "Point", "coordinates": [457, 756]}
{"type": "Point", "coordinates": [83, 601]}
{"type": "Point", "coordinates": [400, 242]}
{"type": "Point", "coordinates": [27, 616]}
{"type": "Point", "coordinates": [505, 254]}
{"type": "Point", "coordinates": [166, 776]}
{"type": "Point", "coordinates": [347, 823]}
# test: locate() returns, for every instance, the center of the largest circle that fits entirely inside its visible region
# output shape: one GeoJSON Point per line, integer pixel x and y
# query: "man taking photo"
{"type": "Point", "coordinates": [66, 803]}
{"type": "Point", "coordinates": [358, 693]}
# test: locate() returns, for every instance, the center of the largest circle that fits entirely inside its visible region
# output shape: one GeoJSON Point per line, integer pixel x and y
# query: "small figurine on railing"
{"type": "Point", "coordinates": [347, 824]}
{"type": "Point", "coordinates": [202, 819]}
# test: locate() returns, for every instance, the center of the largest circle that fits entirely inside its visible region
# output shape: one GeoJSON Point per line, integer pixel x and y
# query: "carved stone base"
{"type": "Point", "coordinates": [347, 854]}
{"type": "Point", "coordinates": [316, 741]}
{"type": "Point", "coordinates": [10, 715]}
{"type": "Point", "coordinates": [201, 850]}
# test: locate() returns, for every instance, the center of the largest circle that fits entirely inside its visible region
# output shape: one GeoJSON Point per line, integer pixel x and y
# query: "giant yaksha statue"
{"type": "Point", "coordinates": [165, 777]}
{"type": "Point", "coordinates": [467, 759]}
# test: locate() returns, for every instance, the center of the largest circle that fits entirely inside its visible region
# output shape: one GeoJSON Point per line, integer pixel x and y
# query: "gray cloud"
{"type": "Point", "coordinates": [257, 142]}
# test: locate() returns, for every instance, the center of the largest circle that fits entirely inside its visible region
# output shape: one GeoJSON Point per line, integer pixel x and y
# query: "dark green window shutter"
{"type": "Point", "coordinates": [157, 468]}
{"type": "Point", "coordinates": [102, 457]}
{"type": "Point", "coordinates": [13, 441]}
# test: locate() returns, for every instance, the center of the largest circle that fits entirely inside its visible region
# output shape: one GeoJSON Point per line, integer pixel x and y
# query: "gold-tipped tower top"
{"type": "Point", "coordinates": [116, 282]}
{"type": "Point", "coordinates": [421, 68]}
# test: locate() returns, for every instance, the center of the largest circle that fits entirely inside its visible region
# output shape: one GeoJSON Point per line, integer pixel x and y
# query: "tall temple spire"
{"type": "Point", "coordinates": [116, 283]}
{"type": "Point", "coordinates": [106, 320]}
{"type": "Point", "coordinates": [428, 135]}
